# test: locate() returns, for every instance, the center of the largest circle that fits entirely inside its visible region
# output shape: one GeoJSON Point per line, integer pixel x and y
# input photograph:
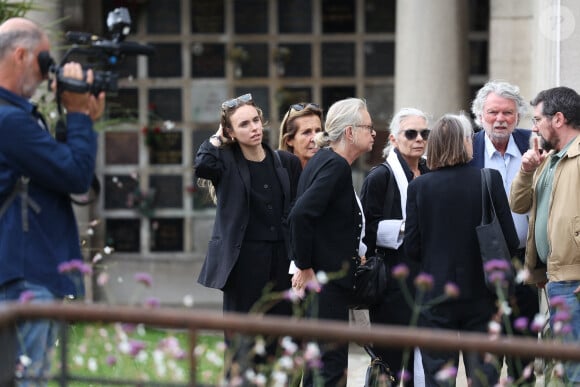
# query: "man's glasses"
{"type": "Point", "coordinates": [235, 102]}
{"type": "Point", "coordinates": [411, 134]}
{"type": "Point", "coordinates": [301, 106]}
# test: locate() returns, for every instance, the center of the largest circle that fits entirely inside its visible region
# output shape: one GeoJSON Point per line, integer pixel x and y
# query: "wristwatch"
{"type": "Point", "coordinates": [218, 138]}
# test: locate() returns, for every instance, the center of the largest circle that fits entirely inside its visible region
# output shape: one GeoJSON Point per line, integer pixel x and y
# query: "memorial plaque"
{"type": "Point", "coordinates": [207, 96]}
{"type": "Point", "coordinates": [118, 191]}
{"type": "Point", "coordinates": [166, 103]}
{"type": "Point", "coordinates": [250, 16]}
{"type": "Point", "coordinates": [380, 15]}
{"type": "Point", "coordinates": [379, 59]}
{"type": "Point", "coordinates": [478, 57]}
{"type": "Point", "coordinates": [124, 235]}
{"type": "Point", "coordinates": [208, 60]}
{"type": "Point", "coordinates": [334, 93]}
{"type": "Point", "coordinates": [298, 62]}
{"type": "Point", "coordinates": [168, 190]}
{"type": "Point", "coordinates": [165, 148]}
{"type": "Point", "coordinates": [338, 16]}
{"type": "Point", "coordinates": [121, 148]}
{"type": "Point", "coordinates": [207, 16]}
{"type": "Point", "coordinates": [124, 105]}
{"type": "Point", "coordinates": [166, 234]}
{"type": "Point", "coordinates": [338, 59]}
{"type": "Point", "coordinates": [163, 17]}
{"type": "Point", "coordinates": [294, 16]}
{"type": "Point", "coordinates": [258, 64]}
{"type": "Point", "coordinates": [166, 62]}
{"type": "Point", "coordinates": [292, 95]}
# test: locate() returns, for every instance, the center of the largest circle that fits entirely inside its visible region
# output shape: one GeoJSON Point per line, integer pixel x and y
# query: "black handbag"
{"type": "Point", "coordinates": [378, 372]}
{"type": "Point", "coordinates": [492, 244]}
{"type": "Point", "coordinates": [370, 282]}
{"type": "Point", "coordinates": [370, 278]}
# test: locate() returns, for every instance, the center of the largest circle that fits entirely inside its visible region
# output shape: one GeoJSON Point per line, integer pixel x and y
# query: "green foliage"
{"type": "Point", "coordinates": [10, 9]}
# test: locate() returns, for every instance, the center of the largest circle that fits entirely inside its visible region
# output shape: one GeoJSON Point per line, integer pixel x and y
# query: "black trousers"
{"type": "Point", "coordinates": [460, 315]}
{"type": "Point", "coordinates": [262, 269]}
{"type": "Point", "coordinates": [332, 303]}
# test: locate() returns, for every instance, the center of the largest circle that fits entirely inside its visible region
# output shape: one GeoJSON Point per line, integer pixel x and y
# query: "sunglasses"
{"type": "Point", "coordinates": [235, 102]}
{"type": "Point", "coordinates": [301, 106]}
{"type": "Point", "coordinates": [411, 134]}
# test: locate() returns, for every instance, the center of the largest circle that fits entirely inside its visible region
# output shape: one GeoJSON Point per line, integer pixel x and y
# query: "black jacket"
{"type": "Point", "coordinates": [229, 173]}
{"type": "Point", "coordinates": [326, 221]}
{"type": "Point", "coordinates": [443, 209]}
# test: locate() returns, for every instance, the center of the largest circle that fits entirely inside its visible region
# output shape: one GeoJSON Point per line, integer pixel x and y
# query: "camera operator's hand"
{"type": "Point", "coordinates": [81, 102]}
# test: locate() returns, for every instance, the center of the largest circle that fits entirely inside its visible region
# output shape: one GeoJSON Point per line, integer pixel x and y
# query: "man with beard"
{"type": "Point", "coordinates": [498, 107]}
{"type": "Point", "coordinates": [547, 186]}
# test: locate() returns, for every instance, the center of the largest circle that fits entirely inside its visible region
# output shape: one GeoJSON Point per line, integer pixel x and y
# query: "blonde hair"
{"type": "Point", "coordinates": [288, 127]}
{"type": "Point", "coordinates": [341, 114]}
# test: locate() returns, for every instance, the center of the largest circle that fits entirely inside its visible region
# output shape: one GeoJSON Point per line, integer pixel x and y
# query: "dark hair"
{"type": "Point", "coordinates": [288, 127]}
{"type": "Point", "coordinates": [560, 99]}
{"type": "Point", "coordinates": [446, 143]}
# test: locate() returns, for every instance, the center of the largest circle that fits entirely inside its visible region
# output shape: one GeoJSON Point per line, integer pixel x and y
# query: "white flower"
{"type": "Point", "coordinates": [286, 363]}
{"type": "Point", "coordinates": [322, 278]}
{"type": "Point", "coordinates": [107, 250]}
{"type": "Point", "coordinates": [168, 125]}
{"type": "Point", "coordinates": [188, 300]}
{"type": "Point", "coordinates": [92, 364]}
{"type": "Point", "coordinates": [260, 346]}
{"type": "Point", "coordinates": [97, 257]}
{"type": "Point", "coordinates": [290, 347]}
{"type": "Point", "coordinates": [312, 352]}
{"type": "Point", "coordinates": [25, 360]}
{"type": "Point", "coordinates": [79, 360]}
{"type": "Point", "coordinates": [494, 327]}
{"type": "Point", "coordinates": [506, 309]}
{"type": "Point", "coordinates": [279, 379]}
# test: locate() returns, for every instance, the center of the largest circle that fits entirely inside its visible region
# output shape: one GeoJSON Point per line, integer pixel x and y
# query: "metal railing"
{"type": "Point", "coordinates": [196, 320]}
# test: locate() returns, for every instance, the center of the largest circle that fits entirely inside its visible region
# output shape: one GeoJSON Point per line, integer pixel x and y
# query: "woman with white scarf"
{"type": "Point", "coordinates": [385, 223]}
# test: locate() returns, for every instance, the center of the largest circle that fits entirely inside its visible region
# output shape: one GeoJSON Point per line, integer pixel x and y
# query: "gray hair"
{"type": "Point", "coordinates": [395, 124]}
{"type": "Point", "coordinates": [503, 89]}
{"type": "Point", "coordinates": [341, 114]}
{"type": "Point", "coordinates": [29, 38]}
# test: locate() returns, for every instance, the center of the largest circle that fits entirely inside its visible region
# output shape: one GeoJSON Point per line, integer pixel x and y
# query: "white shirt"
{"type": "Point", "coordinates": [508, 166]}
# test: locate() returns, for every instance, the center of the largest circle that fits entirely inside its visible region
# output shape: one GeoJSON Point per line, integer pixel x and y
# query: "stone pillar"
{"type": "Point", "coordinates": [511, 46]}
{"type": "Point", "coordinates": [557, 38]}
{"type": "Point", "coordinates": [431, 57]}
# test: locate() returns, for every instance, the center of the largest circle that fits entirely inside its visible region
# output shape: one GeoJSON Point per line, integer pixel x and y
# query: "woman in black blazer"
{"type": "Point", "coordinates": [253, 187]}
{"type": "Point", "coordinates": [443, 210]}
{"type": "Point", "coordinates": [326, 224]}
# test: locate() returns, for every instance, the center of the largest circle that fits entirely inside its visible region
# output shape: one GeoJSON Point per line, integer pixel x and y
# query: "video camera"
{"type": "Point", "coordinates": [102, 55]}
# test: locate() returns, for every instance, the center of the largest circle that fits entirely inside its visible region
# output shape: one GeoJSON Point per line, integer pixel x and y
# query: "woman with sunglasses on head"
{"type": "Point", "coordinates": [297, 130]}
{"type": "Point", "coordinates": [326, 226]}
{"type": "Point", "coordinates": [385, 223]}
{"type": "Point", "coordinates": [252, 187]}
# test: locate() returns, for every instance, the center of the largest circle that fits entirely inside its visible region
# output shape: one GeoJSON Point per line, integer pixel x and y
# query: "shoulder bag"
{"type": "Point", "coordinates": [370, 278]}
{"type": "Point", "coordinates": [378, 372]}
{"type": "Point", "coordinates": [492, 244]}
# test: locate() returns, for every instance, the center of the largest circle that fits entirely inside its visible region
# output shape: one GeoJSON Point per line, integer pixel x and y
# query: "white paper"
{"type": "Point", "coordinates": [389, 233]}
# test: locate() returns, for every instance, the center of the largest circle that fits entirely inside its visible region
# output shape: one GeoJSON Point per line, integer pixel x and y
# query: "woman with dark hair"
{"type": "Point", "coordinates": [443, 211]}
{"type": "Point", "coordinates": [299, 126]}
{"type": "Point", "coordinates": [252, 186]}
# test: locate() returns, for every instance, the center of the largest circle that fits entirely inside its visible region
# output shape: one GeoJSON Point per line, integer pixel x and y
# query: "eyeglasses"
{"type": "Point", "coordinates": [370, 128]}
{"type": "Point", "coordinates": [235, 102]}
{"type": "Point", "coordinates": [411, 134]}
{"type": "Point", "coordinates": [301, 106]}
{"type": "Point", "coordinates": [535, 120]}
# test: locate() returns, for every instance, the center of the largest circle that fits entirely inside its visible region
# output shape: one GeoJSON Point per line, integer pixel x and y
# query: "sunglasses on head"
{"type": "Point", "coordinates": [301, 106]}
{"type": "Point", "coordinates": [235, 102]}
{"type": "Point", "coordinates": [411, 134]}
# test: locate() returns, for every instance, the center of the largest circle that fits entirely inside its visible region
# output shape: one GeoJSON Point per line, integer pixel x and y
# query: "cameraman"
{"type": "Point", "coordinates": [38, 229]}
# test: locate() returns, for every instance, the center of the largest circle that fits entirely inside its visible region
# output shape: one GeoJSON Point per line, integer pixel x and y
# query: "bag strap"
{"type": "Point", "coordinates": [487, 210]}
{"type": "Point", "coordinates": [390, 189]}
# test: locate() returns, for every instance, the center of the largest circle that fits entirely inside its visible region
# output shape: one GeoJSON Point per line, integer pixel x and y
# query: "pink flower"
{"type": "Point", "coordinates": [452, 290]}
{"type": "Point", "coordinates": [111, 360]}
{"type": "Point", "coordinates": [144, 278]}
{"type": "Point", "coordinates": [26, 296]}
{"type": "Point", "coordinates": [496, 265]}
{"type": "Point", "coordinates": [135, 347]}
{"type": "Point", "coordinates": [424, 282]}
{"type": "Point", "coordinates": [152, 302]}
{"type": "Point", "coordinates": [400, 271]}
{"type": "Point", "coordinates": [521, 324]}
{"type": "Point", "coordinates": [75, 265]}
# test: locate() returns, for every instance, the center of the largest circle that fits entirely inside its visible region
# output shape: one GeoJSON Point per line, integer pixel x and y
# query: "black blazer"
{"type": "Point", "coordinates": [326, 221]}
{"type": "Point", "coordinates": [229, 173]}
{"type": "Point", "coordinates": [443, 209]}
{"type": "Point", "coordinates": [521, 137]}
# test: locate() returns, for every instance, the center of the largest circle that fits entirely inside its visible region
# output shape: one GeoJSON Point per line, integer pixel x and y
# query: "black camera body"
{"type": "Point", "coordinates": [104, 54]}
